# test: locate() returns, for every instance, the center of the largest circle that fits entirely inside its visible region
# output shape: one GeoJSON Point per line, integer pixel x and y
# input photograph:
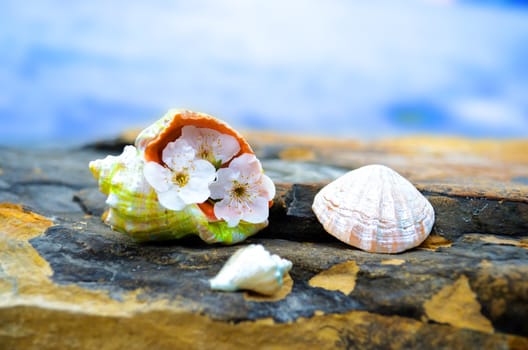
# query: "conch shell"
{"type": "Point", "coordinates": [133, 204]}
{"type": "Point", "coordinates": [375, 209]}
{"type": "Point", "coordinates": [252, 268]}
{"type": "Point", "coordinates": [152, 140]}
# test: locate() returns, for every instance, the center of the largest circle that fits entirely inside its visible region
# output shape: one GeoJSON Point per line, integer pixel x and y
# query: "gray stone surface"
{"type": "Point", "coordinates": [482, 240]}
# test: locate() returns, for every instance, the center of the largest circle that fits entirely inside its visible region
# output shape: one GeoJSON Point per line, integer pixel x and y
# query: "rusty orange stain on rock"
{"type": "Point", "coordinates": [457, 305]}
{"type": "Point", "coordinates": [392, 262]}
{"type": "Point", "coordinates": [497, 308]}
{"type": "Point", "coordinates": [433, 242]}
{"type": "Point", "coordinates": [297, 154]}
{"type": "Point", "coordinates": [485, 264]}
{"type": "Point", "coordinates": [439, 146]}
{"type": "Point", "coordinates": [341, 277]}
{"type": "Point", "coordinates": [503, 241]}
{"type": "Point", "coordinates": [25, 274]}
{"type": "Point", "coordinates": [175, 329]}
{"type": "Point", "coordinates": [20, 223]}
{"type": "Point", "coordinates": [497, 277]}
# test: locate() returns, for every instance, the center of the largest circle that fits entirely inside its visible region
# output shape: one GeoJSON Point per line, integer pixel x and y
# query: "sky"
{"type": "Point", "coordinates": [74, 72]}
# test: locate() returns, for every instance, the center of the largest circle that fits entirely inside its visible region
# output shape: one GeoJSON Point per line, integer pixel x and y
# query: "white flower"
{"type": "Point", "coordinates": [183, 180]}
{"type": "Point", "coordinates": [244, 191]}
{"type": "Point", "coordinates": [210, 144]}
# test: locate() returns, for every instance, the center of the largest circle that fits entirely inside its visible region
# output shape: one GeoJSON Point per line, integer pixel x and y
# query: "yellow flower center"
{"type": "Point", "coordinates": [204, 153]}
{"type": "Point", "coordinates": [181, 179]}
{"type": "Point", "coordinates": [239, 190]}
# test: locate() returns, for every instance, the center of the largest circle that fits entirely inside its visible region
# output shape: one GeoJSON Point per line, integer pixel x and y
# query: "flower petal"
{"type": "Point", "coordinates": [157, 176]}
{"type": "Point", "coordinates": [224, 181]}
{"type": "Point", "coordinates": [195, 191]}
{"type": "Point", "coordinates": [171, 199]}
{"type": "Point", "coordinates": [267, 188]}
{"type": "Point", "coordinates": [203, 171]}
{"type": "Point", "coordinates": [192, 136]}
{"type": "Point", "coordinates": [210, 144]}
{"type": "Point", "coordinates": [229, 211]}
{"type": "Point", "coordinates": [258, 211]}
{"type": "Point", "coordinates": [247, 164]}
{"type": "Point", "coordinates": [244, 191]}
{"type": "Point", "coordinates": [177, 154]}
{"type": "Point", "coordinates": [225, 148]}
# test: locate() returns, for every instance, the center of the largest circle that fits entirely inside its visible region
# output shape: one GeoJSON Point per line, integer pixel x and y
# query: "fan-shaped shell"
{"type": "Point", "coordinates": [375, 209]}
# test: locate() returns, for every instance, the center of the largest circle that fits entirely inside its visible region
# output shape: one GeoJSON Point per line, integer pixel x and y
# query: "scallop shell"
{"type": "Point", "coordinates": [133, 206]}
{"type": "Point", "coordinates": [252, 268]}
{"type": "Point", "coordinates": [375, 209]}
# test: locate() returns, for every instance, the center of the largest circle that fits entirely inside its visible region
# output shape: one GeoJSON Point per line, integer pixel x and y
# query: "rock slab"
{"type": "Point", "coordinates": [68, 281]}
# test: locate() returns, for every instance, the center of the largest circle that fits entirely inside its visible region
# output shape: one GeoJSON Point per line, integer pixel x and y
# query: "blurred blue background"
{"type": "Point", "coordinates": [71, 72]}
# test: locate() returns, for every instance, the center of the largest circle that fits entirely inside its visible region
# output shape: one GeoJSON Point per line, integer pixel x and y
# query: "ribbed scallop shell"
{"type": "Point", "coordinates": [375, 209]}
{"type": "Point", "coordinates": [133, 206]}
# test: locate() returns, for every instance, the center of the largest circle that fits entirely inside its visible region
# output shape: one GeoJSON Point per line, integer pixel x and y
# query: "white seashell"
{"type": "Point", "coordinates": [252, 268]}
{"type": "Point", "coordinates": [375, 209]}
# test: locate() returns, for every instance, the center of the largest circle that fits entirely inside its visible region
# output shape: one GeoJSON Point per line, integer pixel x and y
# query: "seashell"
{"type": "Point", "coordinates": [153, 139]}
{"type": "Point", "coordinates": [133, 205]}
{"type": "Point", "coordinates": [375, 209]}
{"type": "Point", "coordinates": [252, 268]}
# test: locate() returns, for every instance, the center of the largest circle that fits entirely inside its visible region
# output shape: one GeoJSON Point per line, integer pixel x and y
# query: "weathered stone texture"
{"type": "Point", "coordinates": [68, 281]}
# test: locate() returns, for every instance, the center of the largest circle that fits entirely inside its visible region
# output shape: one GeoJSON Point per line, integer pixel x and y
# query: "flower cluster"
{"type": "Point", "coordinates": [194, 171]}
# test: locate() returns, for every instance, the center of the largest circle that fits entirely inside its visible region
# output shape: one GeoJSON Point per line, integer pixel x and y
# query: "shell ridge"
{"type": "Point", "coordinates": [375, 209]}
{"type": "Point", "coordinates": [380, 231]}
{"type": "Point", "coordinates": [367, 231]}
{"type": "Point", "coordinates": [365, 218]}
{"type": "Point", "coordinates": [405, 218]}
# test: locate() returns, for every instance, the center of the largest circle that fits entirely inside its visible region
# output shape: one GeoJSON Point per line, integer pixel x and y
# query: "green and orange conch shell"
{"type": "Point", "coordinates": [133, 203]}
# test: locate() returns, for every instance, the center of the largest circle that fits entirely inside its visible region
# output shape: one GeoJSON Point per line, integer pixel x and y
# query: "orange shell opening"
{"type": "Point", "coordinates": [155, 147]}
{"type": "Point", "coordinates": [208, 210]}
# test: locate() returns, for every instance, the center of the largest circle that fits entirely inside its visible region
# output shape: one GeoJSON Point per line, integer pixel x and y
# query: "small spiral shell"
{"type": "Point", "coordinates": [252, 268]}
